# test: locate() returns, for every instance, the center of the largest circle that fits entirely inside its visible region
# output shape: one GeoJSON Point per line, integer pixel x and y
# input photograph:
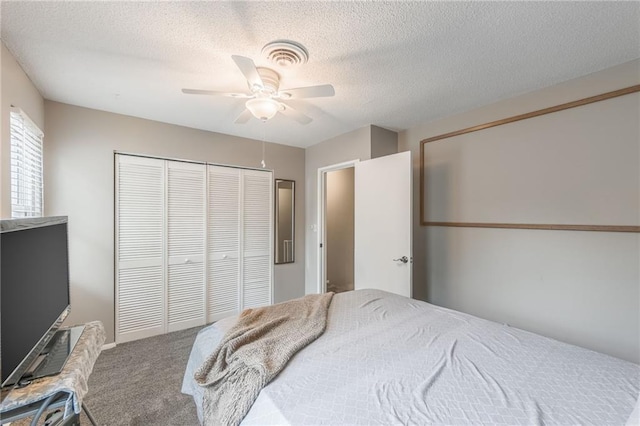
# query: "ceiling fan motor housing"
{"type": "Point", "coordinates": [270, 80]}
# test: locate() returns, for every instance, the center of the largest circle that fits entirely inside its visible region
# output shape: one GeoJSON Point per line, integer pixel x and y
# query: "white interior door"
{"type": "Point", "coordinates": [186, 207]}
{"type": "Point", "coordinates": [383, 218]}
{"type": "Point", "coordinates": [223, 246]}
{"type": "Point", "coordinates": [140, 291]}
{"type": "Point", "coordinates": [257, 238]}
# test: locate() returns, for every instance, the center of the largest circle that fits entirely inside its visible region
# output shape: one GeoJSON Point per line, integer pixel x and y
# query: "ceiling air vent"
{"type": "Point", "coordinates": [285, 53]}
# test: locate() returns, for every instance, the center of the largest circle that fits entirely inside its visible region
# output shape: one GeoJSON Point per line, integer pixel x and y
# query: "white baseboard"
{"type": "Point", "coordinates": [108, 346]}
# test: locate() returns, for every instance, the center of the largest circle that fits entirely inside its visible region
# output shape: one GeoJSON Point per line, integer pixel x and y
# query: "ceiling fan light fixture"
{"type": "Point", "coordinates": [263, 108]}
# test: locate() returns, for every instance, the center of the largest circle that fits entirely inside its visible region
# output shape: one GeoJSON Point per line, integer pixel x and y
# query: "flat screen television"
{"type": "Point", "coordinates": [34, 290]}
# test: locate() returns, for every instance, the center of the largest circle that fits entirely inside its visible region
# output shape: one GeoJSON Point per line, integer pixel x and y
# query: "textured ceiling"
{"type": "Point", "coordinates": [393, 64]}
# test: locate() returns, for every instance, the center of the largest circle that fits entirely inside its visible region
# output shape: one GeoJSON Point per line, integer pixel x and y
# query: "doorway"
{"type": "Point", "coordinates": [383, 196]}
{"type": "Point", "coordinates": [336, 204]}
{"type": "Point", "coordinates": [339, 226]}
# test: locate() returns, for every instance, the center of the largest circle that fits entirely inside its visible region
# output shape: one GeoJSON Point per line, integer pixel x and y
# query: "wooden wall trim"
{"type": "Point", "coordinates": [561, 107]}
{"type": "Point", "coordinates": [601, 228]}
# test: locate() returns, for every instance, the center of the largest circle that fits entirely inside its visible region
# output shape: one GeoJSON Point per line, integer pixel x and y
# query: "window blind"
{"type": "Point", "coordinates": [26, 166]}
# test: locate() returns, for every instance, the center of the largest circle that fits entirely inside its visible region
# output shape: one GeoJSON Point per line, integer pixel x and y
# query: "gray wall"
{"type": "Point", "coordinates": [383, 142]}
{"type": "Point", "coordinates": [340, 229]}
{"type": "Point", "coordinates": [19, 91]}
{"type": "Point", "coordinates": [579, 287]}
{"type": "Point", "coordinates": [79, 176]}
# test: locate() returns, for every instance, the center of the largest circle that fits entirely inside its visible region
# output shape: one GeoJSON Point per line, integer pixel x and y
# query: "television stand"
{"type": "Point", "coordinates": [64, 391]}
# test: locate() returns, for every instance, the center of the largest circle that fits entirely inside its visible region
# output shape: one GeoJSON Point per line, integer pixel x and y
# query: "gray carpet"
{"type": "Point", "coordinates": [138, 383]}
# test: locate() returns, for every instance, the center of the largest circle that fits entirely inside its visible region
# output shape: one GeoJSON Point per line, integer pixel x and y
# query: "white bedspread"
{"type": "Point", "coordinates": [387, 359]}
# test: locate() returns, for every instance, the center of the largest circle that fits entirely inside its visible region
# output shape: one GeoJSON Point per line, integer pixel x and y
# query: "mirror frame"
{"type": "Point", "coordinates": [276, 219]}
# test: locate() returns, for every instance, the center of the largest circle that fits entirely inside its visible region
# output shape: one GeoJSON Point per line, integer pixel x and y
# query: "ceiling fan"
{"type": "Point", "coordinates": [265, 97]}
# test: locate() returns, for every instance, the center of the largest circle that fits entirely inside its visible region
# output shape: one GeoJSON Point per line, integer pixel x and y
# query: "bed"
{"type": "Point", "coordinates": [388, 359]}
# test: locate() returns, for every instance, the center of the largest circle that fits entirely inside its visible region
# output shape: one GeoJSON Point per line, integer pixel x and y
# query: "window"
{"type": "Point", "coordinates": [26, 166]}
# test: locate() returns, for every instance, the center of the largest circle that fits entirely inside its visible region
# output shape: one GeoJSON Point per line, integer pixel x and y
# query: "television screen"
{"type": "Point", "coordinates": [34, 288]}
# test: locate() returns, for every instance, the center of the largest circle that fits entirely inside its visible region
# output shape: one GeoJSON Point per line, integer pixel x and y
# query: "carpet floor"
{"type": "Point", "coordinates": [138, 383]}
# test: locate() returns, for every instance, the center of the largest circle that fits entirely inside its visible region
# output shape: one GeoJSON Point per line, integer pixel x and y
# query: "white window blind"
{"type": "Point", "coordinates": [26, 166]}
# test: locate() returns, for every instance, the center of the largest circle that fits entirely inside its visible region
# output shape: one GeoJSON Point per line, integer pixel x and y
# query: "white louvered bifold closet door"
{"type": "Point", "coordinates": [140, 295]}
{"type": "Point", "coordinates": [223, 246]}
{"type": "Point", "coordinates": [193, 244]}
{"type": "Point", "coordinates": [257, 238]}
{"type": "Point", "coordinates": [186, 215]}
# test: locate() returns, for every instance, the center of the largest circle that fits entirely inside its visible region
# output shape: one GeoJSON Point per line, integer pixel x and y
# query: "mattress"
{"type": "Point", "coordinates": [387, 359]}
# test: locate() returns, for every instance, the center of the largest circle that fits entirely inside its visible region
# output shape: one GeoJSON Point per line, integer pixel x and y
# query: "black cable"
{"type": "Point", "coordinates": [42, 408]}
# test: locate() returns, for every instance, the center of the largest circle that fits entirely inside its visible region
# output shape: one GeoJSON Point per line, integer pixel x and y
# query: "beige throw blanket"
{"type": "Point", "coordinates": [254, 351]}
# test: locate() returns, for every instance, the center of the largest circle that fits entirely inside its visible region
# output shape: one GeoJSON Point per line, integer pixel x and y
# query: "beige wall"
{"type": "Point", "coordinates": [340, 229]}
{"type": "Point", "coordinates": [579, 287]}
{"type": "Point", "coordinates": [15, 89]}
{"type": "Point", "coordinates": [79, 176]}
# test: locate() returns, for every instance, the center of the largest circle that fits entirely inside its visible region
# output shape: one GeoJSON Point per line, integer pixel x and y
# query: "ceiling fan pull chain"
{"type": "Point", "coordinates": [264, 164]}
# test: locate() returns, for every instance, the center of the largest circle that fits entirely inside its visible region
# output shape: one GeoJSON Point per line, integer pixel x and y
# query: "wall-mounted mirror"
{"type": "Point", "coordinates": [285, 221]}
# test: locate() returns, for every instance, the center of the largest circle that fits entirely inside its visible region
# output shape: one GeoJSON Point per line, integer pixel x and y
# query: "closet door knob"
{"type": "Point", "coordinates": [403, 259]}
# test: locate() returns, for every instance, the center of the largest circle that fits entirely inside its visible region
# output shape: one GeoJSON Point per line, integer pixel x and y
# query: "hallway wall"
{"type": "Point", "coordinates": [340, 228]}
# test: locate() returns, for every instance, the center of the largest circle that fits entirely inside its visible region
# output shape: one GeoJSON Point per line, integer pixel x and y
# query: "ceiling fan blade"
{"type": "Point", "coordinates": [295, 114]}
{"type": "Point", "coordinates": [243, 117]}
{"type": "Point", "coordinates": [202, 92]}
{"type": "Point", "coordinates": [215, 93]}
{"type": "Point", "coordinates": [323, 90]}
{"type": "Point", "coordinates": [249, 70]}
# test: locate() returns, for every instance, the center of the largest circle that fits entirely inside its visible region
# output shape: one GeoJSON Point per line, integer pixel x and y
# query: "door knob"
{"type": "Point", "coordinates": [403, 259]}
